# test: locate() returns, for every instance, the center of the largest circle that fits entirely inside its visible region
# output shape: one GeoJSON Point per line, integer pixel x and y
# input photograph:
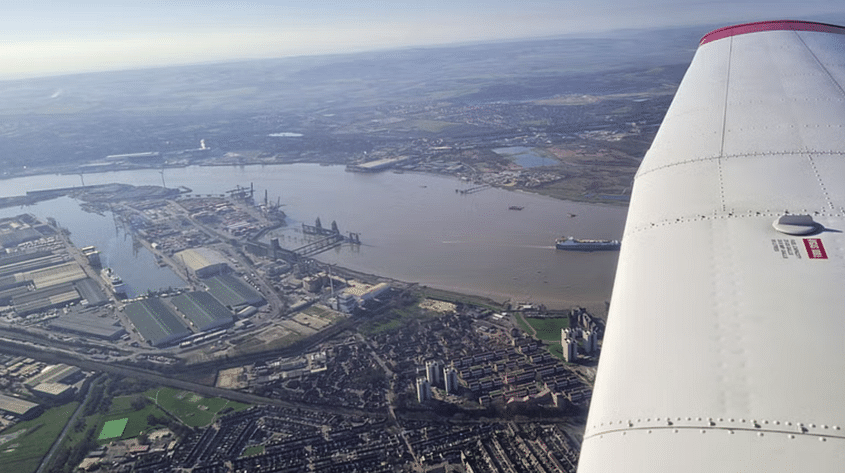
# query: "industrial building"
{"type": "Point", "coordinates": [203, 311]}
{"type": "Point", "coordinates": [142, 157]}
{"type": "Point", "coordinates": [7, 294]}
{"type": "Point", "coordinates": [203, 262]}
{"type": "Point", "coordinates": [19, 407]}
{"type": "Point", "coordinates": [22, 267]}
{"type": "Point", "coordinates": [93, 256]}
{"type": "Point", "coordinates": [45, 298]}
{"type": "Point", "coordinates": [60, 373]}
{"type": "Point", "coordinates": [356, 296]}
{"type": "Point", "coordinates": [346, 303]}
{"type": "Point", "coordinates": [54, 275]}
{"type": "Point", "coordinates": [377, 165]}
{"type": "Point", "coordinates": [34, 280]}
{"type": "Point", "coordinates": [233, 292]}
{"type": "Point", "coordinates": [88, 324]}
{"type": "Point", "coordinates": [38, 280]}
{"type": "Point", "coordinates": [27, 261]}
{"type": "Point", "coordinates": [364, 294]}
{"type": "Point", "coordinates": [156, 322]}
{"type": "Point", "coordinates": [54, 390]}
{"type": "Point", "coordinates": [90, 292]}
{"type": "Point", "coordinates": [20, 229]}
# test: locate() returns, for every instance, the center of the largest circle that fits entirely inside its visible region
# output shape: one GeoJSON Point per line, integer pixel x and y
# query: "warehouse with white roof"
{"type": "Point", "coordinates": [203, 262]}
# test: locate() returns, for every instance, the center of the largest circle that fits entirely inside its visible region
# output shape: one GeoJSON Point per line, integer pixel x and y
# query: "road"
{"type": "Point", "coordinates": [49, 456]}
{"type": "Point", "coordinates": [21, 349]}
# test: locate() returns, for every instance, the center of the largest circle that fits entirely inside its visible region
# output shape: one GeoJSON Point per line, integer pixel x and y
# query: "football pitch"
{"type": "Point", "coordinates": [113, 428]}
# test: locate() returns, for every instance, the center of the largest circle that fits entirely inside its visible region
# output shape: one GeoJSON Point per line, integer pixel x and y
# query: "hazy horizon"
{"type": "Point", "coordinates": [54, 38]}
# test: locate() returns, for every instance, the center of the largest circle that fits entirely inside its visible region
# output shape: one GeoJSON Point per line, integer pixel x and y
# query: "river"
{"type": "Point", "coordinates": [414, 227]}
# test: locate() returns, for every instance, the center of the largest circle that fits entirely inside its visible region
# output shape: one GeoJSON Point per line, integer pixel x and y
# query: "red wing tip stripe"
{"type": "Point", "coordinates": [780, 25]}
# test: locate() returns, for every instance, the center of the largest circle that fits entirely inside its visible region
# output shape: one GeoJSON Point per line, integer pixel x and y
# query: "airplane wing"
{"type": "Point", "coordinates": [725, 343]}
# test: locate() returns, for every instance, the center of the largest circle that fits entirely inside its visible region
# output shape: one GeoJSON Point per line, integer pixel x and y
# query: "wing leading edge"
{"type": "Point", "coordinates": [725, 343]}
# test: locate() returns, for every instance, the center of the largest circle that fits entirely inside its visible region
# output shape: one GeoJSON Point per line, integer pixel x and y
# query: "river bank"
{"type": "Point", "coordinates": [413, 226]}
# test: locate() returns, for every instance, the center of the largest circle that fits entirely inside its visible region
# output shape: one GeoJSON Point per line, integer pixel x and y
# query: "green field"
{"type": "Point", "coordinates": [520, 320]}
{"type": "Point", "coordinates": [393, 319]}
{"type": "Point", "coordinates": [556, 349]}
{"type": "Point", "coordinates": [23, 453]}
{"type": "Point", "coordinates": [136, 420]}
{"type": "Point", "coordinates": [191, 409]}
{"type": "Point", "coordinates": [113, 428]}
{"type": "Point", "coordinates": [253, 450]}
{"type": "Point", "coordinates": [547, 330]}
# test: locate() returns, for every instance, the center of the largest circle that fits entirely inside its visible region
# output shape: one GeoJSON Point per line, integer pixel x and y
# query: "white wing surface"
{"type": "Point", "coordinates": [725, 343]}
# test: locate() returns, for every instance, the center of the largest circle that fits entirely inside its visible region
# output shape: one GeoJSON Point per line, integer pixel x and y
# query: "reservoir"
{"type": "Point", "coordinates": [413, 227]}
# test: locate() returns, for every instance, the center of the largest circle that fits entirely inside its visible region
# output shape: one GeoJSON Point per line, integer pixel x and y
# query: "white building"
{"type": "Point", "coordinates": [590, 341]}
{"type": "Point", "coordinates": [432, 372]}
{"type": "Point", "coordinates": [423, 390]}
{"type": "Point", "coordinates": [570, 350]}
{"type": "Point", "coordinates": [450, 379]}
{"type": "Point", "coordinates": [203, 262]}
{"type": "Point", "coordinates": [568, 341]}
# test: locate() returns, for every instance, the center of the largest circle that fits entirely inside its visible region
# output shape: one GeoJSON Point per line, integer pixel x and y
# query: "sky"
{"type": "Point", "coordinates": [41, 38]}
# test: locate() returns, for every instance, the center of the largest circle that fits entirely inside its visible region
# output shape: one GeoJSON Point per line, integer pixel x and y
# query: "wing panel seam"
{"type": "Point", "coordinates": [725, 125]}
{"type": "Point", "coordinates": [821, 64]}
{"type": "Point", "coordinates": [842, 92]}
{"type": "Point", "coordinates": [739, 155]}
{"type": "Point", "coordinates": [821, 182]}
{"type": "Point", "coordinates": [698, 218]}
{"type": "Point", "coordinates": [717, 428]}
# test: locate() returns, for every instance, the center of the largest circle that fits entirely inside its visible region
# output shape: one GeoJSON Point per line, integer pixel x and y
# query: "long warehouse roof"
{"type": "Point", "coordinates": [15, 405]}
{"type": "Point", "coordinates": [199, 258]}
{"type": "Point", "coordinates": [202, 310]}
{"type": "Point", "coordinates": [157, 324]}
{"type": "Point", "coordinates": [53, 374]}
{"type": "Point", "coordinates": [88, 324]}
{"type": "Point", "coordinates": [232, 292]}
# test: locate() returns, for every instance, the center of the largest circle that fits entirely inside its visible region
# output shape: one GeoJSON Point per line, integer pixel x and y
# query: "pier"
{"type": "Point", "coordinates": [472, 190]}
{"type": "Point", "coordinates": [319, 246]}
{"type": "Point", "coordinates": [330, 239]}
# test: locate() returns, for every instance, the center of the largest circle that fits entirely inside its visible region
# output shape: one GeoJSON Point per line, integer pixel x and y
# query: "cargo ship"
{"type": "Point", "coordinates": [113, 280]}
{"type": "Point", "coordinates": [574, 244]}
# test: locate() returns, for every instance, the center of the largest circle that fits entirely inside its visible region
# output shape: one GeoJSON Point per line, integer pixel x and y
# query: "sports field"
{"type": "Point", "coordinates": [113, 428]}
{"type": "Point", "coordinates": [191, 409]}
{"type": "Point", "coordinates": [546, 329]}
